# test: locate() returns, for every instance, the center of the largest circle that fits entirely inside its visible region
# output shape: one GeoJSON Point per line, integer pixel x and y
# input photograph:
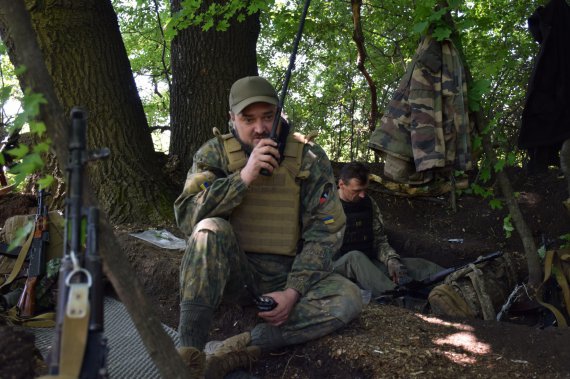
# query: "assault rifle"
{"type": "Point", "coordinates": [27, 303]}
{"type": "Point", "coordinates": [419, 289]}
{"type": "Point", "coordinates": [79, 349]}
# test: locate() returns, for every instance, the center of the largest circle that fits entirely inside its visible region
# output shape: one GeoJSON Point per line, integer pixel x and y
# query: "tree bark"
{"type": "Point", "coordinates": [17, 29]}
{"type": "Point", "coordinates": [87, 61]}
{"type": "Point", "coordinates": [204, 66]}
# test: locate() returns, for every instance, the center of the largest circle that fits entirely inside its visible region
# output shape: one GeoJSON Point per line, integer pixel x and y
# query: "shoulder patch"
{"type": "Point", "coordinates": [198, 182]}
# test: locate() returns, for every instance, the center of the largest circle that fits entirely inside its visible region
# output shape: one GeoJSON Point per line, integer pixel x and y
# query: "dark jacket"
{"type": "Point", "coordinates": [546, 115]}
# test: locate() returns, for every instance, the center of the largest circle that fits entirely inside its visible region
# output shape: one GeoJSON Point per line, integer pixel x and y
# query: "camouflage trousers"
{"type": "Point", "coordinates": [215, 268]}
{"type": "Point", "coordinates": [372, 275]}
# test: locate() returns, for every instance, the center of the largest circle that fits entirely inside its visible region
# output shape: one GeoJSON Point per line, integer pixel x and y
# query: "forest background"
{"type": "Point", "coordinates": [159, 84]}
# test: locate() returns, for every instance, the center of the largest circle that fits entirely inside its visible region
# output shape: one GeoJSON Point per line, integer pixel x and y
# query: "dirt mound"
{"type": "Point", "coordinates": [387, 341]}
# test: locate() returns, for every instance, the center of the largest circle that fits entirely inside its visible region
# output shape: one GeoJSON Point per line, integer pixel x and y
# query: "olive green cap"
{"type": "Point", "coordinates": [249, 90]}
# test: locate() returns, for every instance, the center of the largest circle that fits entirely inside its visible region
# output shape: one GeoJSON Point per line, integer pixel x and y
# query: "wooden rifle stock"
{"type": "Point", "coordinates": [27, 302]}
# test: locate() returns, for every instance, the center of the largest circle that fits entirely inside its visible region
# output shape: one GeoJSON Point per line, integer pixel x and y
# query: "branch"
{"type": "Point", "coordinates": [358, 38]}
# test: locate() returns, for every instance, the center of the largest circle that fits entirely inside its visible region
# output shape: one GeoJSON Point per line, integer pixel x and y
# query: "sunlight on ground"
{"type": "Point", "coordinates": [462, 340]}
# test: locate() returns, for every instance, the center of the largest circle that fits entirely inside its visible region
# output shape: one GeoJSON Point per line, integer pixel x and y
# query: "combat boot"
{"type": "Point", "coordinates": [194, 359]}
{"type": "Point", "coordinates": [229, 355]}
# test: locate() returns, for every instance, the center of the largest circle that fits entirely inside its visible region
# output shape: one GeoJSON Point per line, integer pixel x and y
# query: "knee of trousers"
{"type": "Point", "coordinates": [357, 257]}
{"type": "Point", "coordinates": [220, 228]}
{"type": "Point", "coordinates": [349, 300]}
{"type": "Point", "coordinates": [351, 259]}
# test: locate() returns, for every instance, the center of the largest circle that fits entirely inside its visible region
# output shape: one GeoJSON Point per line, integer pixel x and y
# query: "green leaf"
{"type": "Point", "coordinates": [45, 182]}
{"type": "Point", "coordinates": [5, 93]}
{"type": "Point", "coordinates": [37, 127]}
{"type": "Point", "coordinates": [19, 70]}
{"type": "Point", "coordinates": [19, 152]}
{"type": "Point", "coordinates": [485, 174]}
{"type": "Point", "coordinates": [454, 3]}
{"type": "Point", "coordinates": [42, 147]}
{"type": "Point", "coordinates": [208, 24]}
{"type": "Point", "coordinates": [420, 27]}
{"type": "Point", "coordinates": [477, 142]}
{"type": "Point", "coordinates": [511, 158]}
{"type": "Point", "coordinates": [441, 33]}
{"type": "Point", "coordinates": [508, 226]}
{"type": "Point", "coordinates": [542, 251]}
{"type": "Point", "coordinates": [496, 204]}
{"type": "Point", "coordinates": [222, 26]}
{"type": "Point", "coordinates": [21, 235]}
{"type": "Point", "coordinates": [437, 15]}
{"type": "Point", "coordinates": [566, 239]}
{"type": "Point", "coordinates": [28, 165]}
{"type": "Point", "coordinates": [499, 165]}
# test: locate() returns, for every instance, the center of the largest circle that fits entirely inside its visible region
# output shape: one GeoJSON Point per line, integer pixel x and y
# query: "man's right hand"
{"type": "Point", "coordinates": [396, 270]}
{"type": "Point", "coordinates": [264, 155]}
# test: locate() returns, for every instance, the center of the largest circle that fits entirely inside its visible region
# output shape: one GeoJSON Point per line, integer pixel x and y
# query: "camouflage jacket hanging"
{"type": "Point", "coordinates": [426, 121]}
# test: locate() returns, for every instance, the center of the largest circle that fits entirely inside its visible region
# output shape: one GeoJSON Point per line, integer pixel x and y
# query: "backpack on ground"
{"type": "Point", "coordinates": [475, 291]}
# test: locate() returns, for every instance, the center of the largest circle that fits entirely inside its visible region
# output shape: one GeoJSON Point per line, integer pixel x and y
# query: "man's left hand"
{"type": "Point", "coordinates": [285, 300]}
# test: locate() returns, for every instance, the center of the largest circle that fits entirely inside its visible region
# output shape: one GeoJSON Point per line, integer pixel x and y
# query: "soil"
{"type": "Point", "coordinates": [393, 342]}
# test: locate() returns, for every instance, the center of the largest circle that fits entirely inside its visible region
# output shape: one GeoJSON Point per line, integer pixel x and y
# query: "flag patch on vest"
{"type": "Point", "coordinates": [204, 186]}
{"type": "Point", "coordinates": [328, 220]}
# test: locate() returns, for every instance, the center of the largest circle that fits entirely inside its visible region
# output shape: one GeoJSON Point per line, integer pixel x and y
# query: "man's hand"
{"type": "Point", "coordinates": [396, 270]}
{"type": "Point", "coordinates": [286, 300]}
{"type": "Point", "coordinates": [264, 155]}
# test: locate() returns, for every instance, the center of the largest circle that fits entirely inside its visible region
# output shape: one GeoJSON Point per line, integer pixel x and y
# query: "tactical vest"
{"type": "Point", "coordinates": [359, 233]}
{"type": "Point", "coordinates": [267, 220]}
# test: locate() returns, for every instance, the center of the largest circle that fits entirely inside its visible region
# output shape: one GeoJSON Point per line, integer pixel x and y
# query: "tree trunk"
{"type": "Point", "coordinates": [204, 66]}
{"type": "Point", "coordinates": [15, 27]}
{"type": "Point", "coordinates": [86, 59]}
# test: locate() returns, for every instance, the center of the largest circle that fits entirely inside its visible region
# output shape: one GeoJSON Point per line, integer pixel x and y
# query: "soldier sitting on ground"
{"type": "Point", "coordinates": [366, 257]}
{"type": "Point", "coordinates": [277, 233]}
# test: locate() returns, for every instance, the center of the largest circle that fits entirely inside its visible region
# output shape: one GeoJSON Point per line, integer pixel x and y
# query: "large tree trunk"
{"type": "Point", "coordinates": [87, 61]}
{"type": "Point", "coordinates": [15, 27]}
{"type": "Point", "coordinates": [204, 66]}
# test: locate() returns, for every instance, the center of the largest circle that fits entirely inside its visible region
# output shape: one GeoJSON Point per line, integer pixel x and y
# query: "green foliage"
{"type": "Point", "coordinates": [508, 226]}
{"type": "Point", "coordinates": [21, 235]}
{"type": "Point", "coordinates": [542, 251]}
{"type": "Point", "coordinates": [566, 239]}
{"type": "Point", "coordinates": [213, 15]}
{"type": "Point", "coordinates": [26, 159]}
{"type": "Point", "coordinates": [496, 204]}
{"type": "Point", "coordinates": [327, 92]}
{"type": "Point", "coordinates": [476, 92]}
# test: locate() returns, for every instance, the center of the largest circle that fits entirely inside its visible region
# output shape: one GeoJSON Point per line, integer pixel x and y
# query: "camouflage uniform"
{"type": "Point", "coordinates": [372, 274]}
{"type": "Point", "coordinates": [215, 267]}
{"type": "Point", "coordinates": [426, 125]}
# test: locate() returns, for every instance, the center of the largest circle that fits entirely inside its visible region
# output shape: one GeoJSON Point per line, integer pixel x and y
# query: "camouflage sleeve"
{"type": "Point", "coordinates": [209, 190]}
{"type": "Point", "coordinates": [323, 221]}
{"type": "Point", "coordinates": [381, 245]}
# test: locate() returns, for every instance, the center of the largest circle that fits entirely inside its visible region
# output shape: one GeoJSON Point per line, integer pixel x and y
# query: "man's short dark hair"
{"type": "Point", "coordinates": [354, 170]}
